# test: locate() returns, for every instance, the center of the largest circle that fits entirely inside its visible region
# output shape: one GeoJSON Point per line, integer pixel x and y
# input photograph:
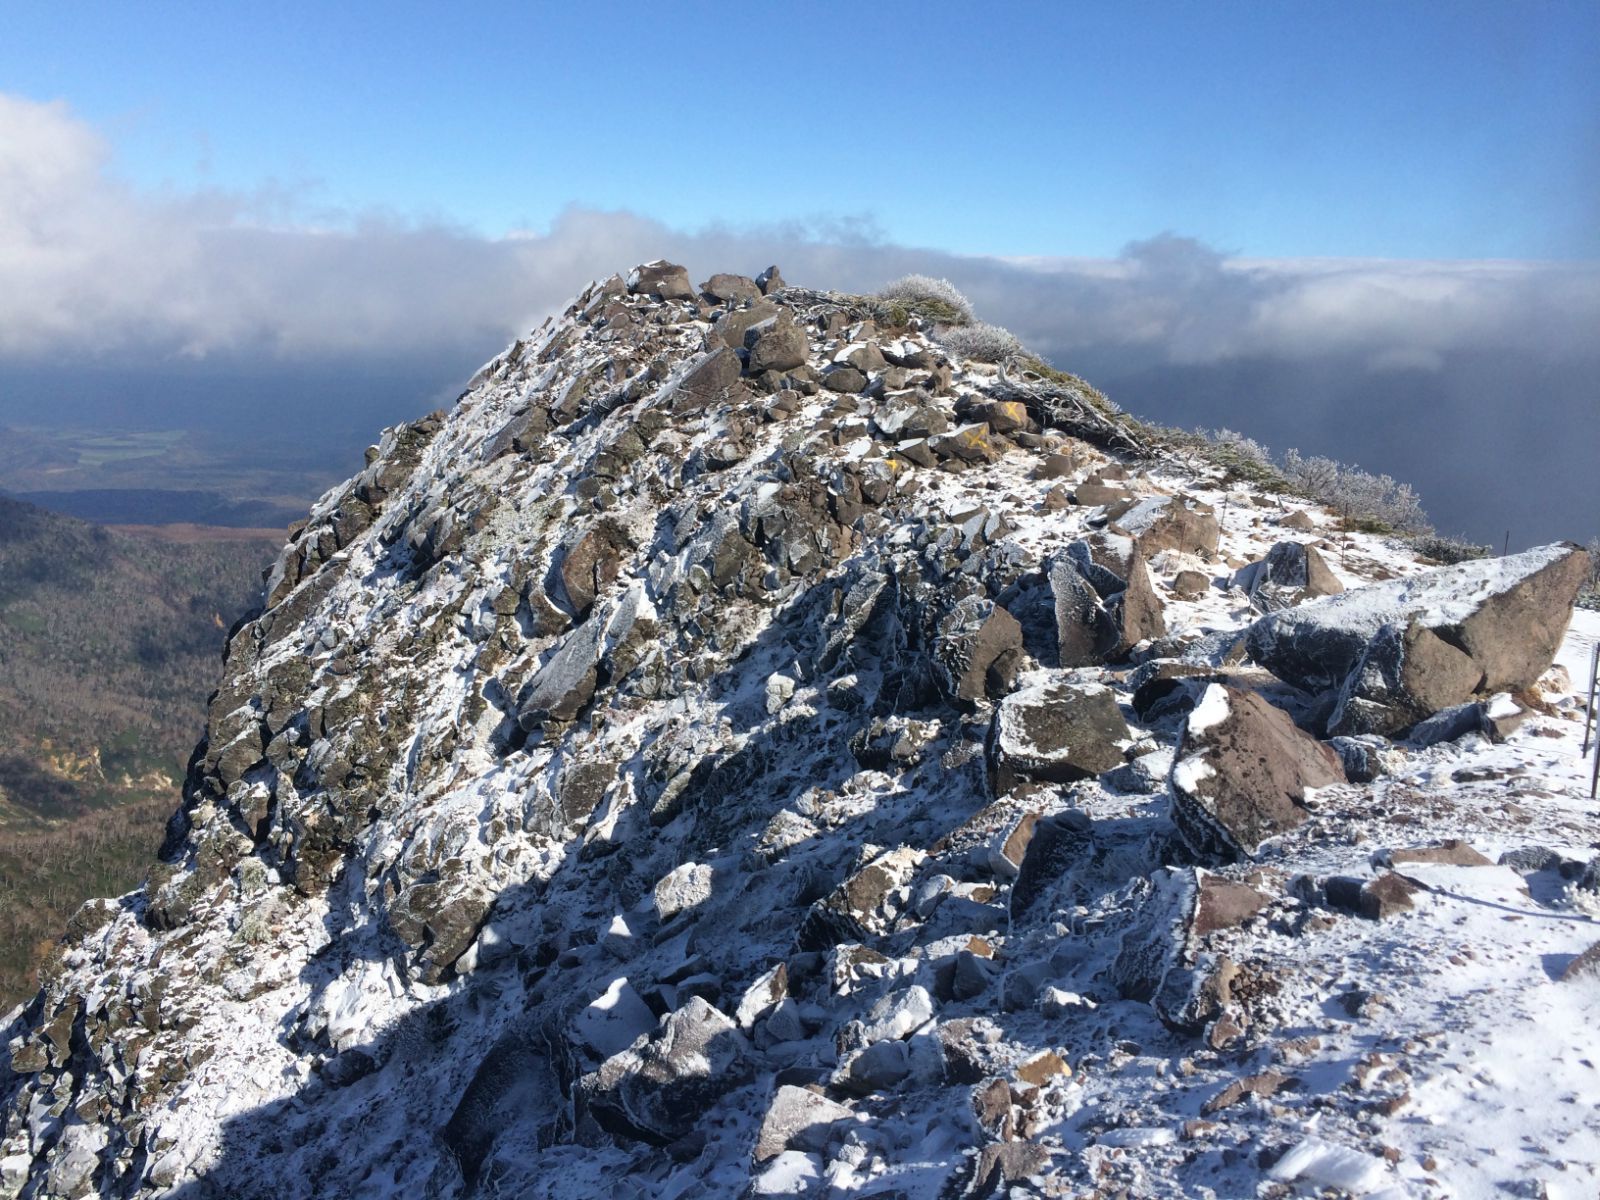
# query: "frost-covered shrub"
{"type": "Point", "coordinates": [1237, 445]}
{"type": "Point", "coordinates": [980, 342]}
{"type": "Point", "coordinates": [1359, 496]}
{"type": "Point", "coordinates": [1589, 597]}
{"type": "Point", "coordinates": [1447, 550]}
{"type": "Point", "coordinates": [924, 296]}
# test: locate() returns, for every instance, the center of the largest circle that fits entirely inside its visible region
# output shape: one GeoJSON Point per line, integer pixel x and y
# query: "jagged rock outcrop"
{"type": "Point", "coordinates": [1241, 773]}
{"type": "Point", "coordinates": [708, 759]}
{"type": "Point", "coordinates": [1290, 574]}
{"type": "Point", "coordinates": [1400, 651]}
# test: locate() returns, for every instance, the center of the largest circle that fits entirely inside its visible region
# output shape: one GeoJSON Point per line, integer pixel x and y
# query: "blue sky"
{"type": "Point", "coordinates": [1405, 130]}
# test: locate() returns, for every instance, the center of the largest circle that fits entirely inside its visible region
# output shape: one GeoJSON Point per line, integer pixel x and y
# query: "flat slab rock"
{"type": "Point", "coordinates": [1506, 614]}
{"type": "Point", "coordinates": [1056, 732]}
{"type": "Point", "coordinates": [1241, 773]}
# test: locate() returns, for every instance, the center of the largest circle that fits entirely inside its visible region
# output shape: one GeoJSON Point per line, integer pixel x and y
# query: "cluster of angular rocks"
{"type": "Point", "coordinates": [742, 749]}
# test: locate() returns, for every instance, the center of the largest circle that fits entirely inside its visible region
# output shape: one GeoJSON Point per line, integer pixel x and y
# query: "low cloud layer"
{"type": "Point", "coordinates": [95, 272]}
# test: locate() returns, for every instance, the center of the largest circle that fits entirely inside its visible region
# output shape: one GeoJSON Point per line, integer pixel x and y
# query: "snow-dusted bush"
{"type": "Point", "coordinates": [980, 342]}
{"type": "Point", "coordinates": [1355, 494]}
{"type": "Point", "coordinates": [925, 296]}
{"type": "Point", "coordinates": [1589, 597]}
{"type": "Point", "coordinates": [1237, 445]}
{"type": "Point", "coordinates": [1447, 550]}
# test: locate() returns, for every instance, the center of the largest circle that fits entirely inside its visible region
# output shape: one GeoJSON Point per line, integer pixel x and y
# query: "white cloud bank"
{"type": "Point", "coordinates": [91, 266]}
{"type": "Point", "coordinates": [1473, 380]}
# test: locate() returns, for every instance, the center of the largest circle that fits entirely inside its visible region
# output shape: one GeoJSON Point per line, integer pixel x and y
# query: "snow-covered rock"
{"type": "Point", "coordinates": [601, 804]}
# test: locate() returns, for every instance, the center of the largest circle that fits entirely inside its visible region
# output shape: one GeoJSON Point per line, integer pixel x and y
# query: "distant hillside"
{"type": "Point", "coordinates": [160, 506]}
{"type": "Point", "coordinates": [109, 644]}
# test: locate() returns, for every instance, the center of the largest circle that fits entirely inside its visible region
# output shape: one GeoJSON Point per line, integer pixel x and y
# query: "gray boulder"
{"type": "Point", "coordinates": [778, 346]}
{"type": "Point", "coordinates": [1086, 635]}
{"type": "Point", "coordinates": [1401, 650]}
{"type": "Point", "coordinates": [1290, 574]}
{"type": "Point", "coordinates": [1056, 732]}
{"type": "Point", "coordinates": [734, 328]}
{"type": "Point", "coordinates": [1160, 523]}
{"type": "Point", "coordinates": [799, 1119]}
{"type": "Point", "coordinates": [977, 647]}
{"type": "Point", "coordinates": [1137, 610]}
{"type": "Point", "coordinates": [660, 1089]}
{"type": "Point", "coordinates": [1241, 773]}
{"type": "Point", "coordinates": [770, 281]}
{"type": "Point", "coordinates": [730, 289]}
{"type": "Point", "coordinates": [667, 281]}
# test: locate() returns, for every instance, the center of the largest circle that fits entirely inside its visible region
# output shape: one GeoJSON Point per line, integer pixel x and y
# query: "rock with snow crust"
{"type": "Point", "coordinates": [1388, 647]}
{"type": "Point", "coordinates": [800, 1119]}
{"type": "Point", "coordinates": [1291, 573]}
{"type": "Point", "coordinates": [665, 280]}
{"type": "Point", "coordinates": [1241, 773]}
{"type": "Point", "coordinates": [1086, 635]}
{"type": "Point", "coordinates": [1160, 523]}
{"type": "Point", "coordinates": [1056, 732]}
{"type": "Point", "coordinates": [661, 1089]}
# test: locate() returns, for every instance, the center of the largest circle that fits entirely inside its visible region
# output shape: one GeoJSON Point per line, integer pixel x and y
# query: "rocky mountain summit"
{"type": "Point", "coordinates": [750, 747]}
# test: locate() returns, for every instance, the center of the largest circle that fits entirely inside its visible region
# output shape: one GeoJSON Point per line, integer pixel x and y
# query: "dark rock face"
{"type": "Point", "coordinates": [1056, 732]}
{"type": "Point", "coordinates": [1408, 673]}
{"type": "Point", "coordinates": [1138, 610]}
{"type": "Point", "coordinates": [1086, 635]}
{"type": "Point", "coordinates": [971, 641]}
{"type": "Point", "coordinates": [1291, 574]}
{"type": "Point", "coordinates": [658, 1091]}
{"type": "Point", "coordinates": [730, 289]}
{"type": "Point", "coordinates": [592, 565]}
{"type": "Point", "coordinates": [667, 281]}
{"type": "Point", "coordinates": [1160, 523]}
{"type": "Point", "coordinates": [1057, 845]}
{"type": "Point", "coordinates": [1401, 650]}
{"type": "Point", "coordinates": [770, 280]}
{"type": "Point", "coordinates": [780, 345]}
{"type": "Point", "coordinates": [1241, 773]}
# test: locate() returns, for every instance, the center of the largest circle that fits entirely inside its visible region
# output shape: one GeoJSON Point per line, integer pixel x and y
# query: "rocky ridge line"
{"type": "Point", "coordinates": [739, 748]}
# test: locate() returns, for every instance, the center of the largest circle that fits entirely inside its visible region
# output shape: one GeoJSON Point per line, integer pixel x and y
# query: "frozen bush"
{"type": "Point", "coordinates": [1589, 597]}
{"type": "Point", "coordinates": [1236, 445]}
{"type": "Point", "coordinates": [980, 342]}
{"type": "Point", "coordinates": [923, 295]}
{"type": "Point", "coordinates": [1447, 550]}
{"type": "Point", "coordinates": [1356, 494]}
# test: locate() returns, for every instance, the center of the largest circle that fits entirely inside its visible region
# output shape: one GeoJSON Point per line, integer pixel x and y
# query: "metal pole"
{"type": "Point", "coordinates": [1588, 713]}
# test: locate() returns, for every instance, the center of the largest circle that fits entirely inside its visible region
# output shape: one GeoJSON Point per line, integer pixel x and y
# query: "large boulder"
{"type": "Point", "coordinates": [1407, 674]}
{"type": "Point", "coordinates": [666, 280]}
{"type": "Point", "coordinates": [977, 647]}
{"type": "Point", "coordinates": [1056, 732]}
{"type": "Point", "coordinates": [1086, 635]}
{"type": "Point", "coordinates": [1290, 574]}
{"type": "Point", "coordinates": [730, 289]}
{"type": "Point", "coordinates": [1160, 523]}
{"type": "Point", "coordinates": [661, 1088]}
{"type": "Point", "coordinates": [800, 1119]}
{"type": "Point", "coordinates": [1241, 773]}
{"type": "Point", "coordinates": [1386, 648]}
{"type": "Point", "coordinates": [778, 345]}
{"type": "Point", "coordinates": [1137, 610]}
